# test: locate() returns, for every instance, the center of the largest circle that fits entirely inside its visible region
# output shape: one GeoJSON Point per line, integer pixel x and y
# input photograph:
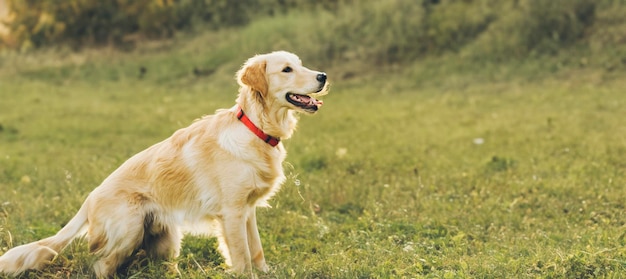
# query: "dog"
{"type": "Point", "coordinates": [217, 170]}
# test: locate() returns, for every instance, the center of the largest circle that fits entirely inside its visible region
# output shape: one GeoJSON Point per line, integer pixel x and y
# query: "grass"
{"type": "Point", "coordinates": [421, 170]}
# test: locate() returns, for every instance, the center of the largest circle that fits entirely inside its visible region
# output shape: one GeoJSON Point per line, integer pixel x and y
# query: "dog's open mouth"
{"type": "Point", "coordinates": [304, 102]}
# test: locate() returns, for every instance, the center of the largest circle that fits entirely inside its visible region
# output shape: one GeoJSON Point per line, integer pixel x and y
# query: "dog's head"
{"type": "Point", "coordinates": [278, 78]}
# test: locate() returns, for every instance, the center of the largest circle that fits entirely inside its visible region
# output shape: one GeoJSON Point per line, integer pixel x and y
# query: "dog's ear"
{"type": "Point", "coordinates": [253, 75]}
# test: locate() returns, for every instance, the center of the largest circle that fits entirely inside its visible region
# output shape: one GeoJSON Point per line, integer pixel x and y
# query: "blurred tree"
{"type": "Point", "coordinates": [39, 22]}
{"type": "Point", "coordinates": [384, 31]}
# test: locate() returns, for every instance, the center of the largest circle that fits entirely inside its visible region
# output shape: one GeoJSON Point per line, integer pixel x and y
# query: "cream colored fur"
{"type": "Point", "coordinates": [215, 170]}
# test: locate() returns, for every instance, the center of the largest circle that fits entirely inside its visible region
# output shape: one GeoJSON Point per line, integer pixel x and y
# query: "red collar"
{"type": "Point", "coordinates": [273, 141]}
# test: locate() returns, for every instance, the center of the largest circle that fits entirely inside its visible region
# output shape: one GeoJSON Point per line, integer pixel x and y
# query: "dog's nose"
{"type": "Point", "coordinates": [321, 77]}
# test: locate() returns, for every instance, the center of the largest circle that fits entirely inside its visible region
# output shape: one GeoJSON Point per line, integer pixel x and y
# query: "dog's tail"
{"type": "Point", "coordinates": [37, 254]}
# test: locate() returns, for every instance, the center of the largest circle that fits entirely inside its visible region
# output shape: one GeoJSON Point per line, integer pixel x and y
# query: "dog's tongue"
{"type": "Point", "coordinates": [316, 102]}
{"type": "Point", "coordinates": [308, 100]}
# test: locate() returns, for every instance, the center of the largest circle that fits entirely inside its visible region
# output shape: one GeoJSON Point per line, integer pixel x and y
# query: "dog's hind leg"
{"type": "Point", "coordinates": [114, 235]}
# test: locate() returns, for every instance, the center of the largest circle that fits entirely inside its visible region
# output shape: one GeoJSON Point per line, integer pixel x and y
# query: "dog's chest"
{"type": "Point", "coordinates": [266, 176]}
{"type": "Point", "coordinates": [253, 178]}
{"type": "Point", "coordinates": [237, 165]}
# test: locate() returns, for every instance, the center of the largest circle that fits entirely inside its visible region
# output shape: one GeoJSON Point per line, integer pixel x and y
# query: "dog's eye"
{"type": "Point", "coordinates": [287, 70]}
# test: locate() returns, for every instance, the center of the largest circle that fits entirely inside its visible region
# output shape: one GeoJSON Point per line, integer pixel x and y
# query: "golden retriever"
{"type": "Point", "coordinates": [219, 169]}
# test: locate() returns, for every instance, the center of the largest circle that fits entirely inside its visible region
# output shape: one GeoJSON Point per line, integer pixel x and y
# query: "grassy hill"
{"type": "Point", "coordinates": [451, 162]}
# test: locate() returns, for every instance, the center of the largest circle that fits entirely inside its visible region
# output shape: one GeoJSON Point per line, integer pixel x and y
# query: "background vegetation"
{"type": "Point", "coordinates": [386, 31]}
{"type": "Point", "coordinates": [461, 139]}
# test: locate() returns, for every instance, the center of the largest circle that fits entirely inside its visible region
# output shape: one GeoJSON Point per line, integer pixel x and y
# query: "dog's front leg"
{"type": "Point", "coordinates": [254, 242]}
{"type": "Point", "coordinates": [237, 240]}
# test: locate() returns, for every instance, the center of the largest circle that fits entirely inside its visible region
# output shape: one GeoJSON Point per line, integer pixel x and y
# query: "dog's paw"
{"type": "Point", "coordinates": [263, 267]}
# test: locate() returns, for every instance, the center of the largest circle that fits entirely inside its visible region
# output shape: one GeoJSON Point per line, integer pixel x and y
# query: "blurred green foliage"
{"type": "Point", "coordinates": [375, 32]}
{"type": "Point", "coordinates": [36, 23]}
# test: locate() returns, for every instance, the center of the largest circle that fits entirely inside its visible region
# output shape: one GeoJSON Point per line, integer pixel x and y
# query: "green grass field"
{"type": "Point", "coordinates": [432, 169]}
